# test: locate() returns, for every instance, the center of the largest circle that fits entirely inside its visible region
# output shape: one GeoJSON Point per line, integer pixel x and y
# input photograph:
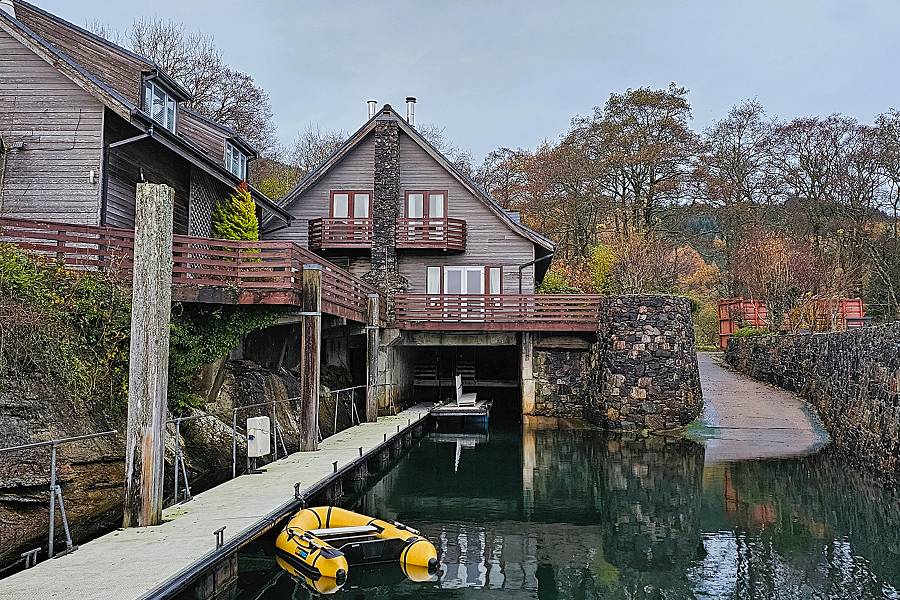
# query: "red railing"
{"type": "Point", "coordinates": [327, 234]}
{"type": "Point", "coordinates": [272, 270]}
{"type": "Point", "coordinates": [440, 234]}
{"type": "Point", "coordinates": [514, 312]}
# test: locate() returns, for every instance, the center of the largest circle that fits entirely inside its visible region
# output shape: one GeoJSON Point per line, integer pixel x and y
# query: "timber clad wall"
{"type": "Point", "coordinates": [127, 163]}
{"type": "Point", "coordinates": [490, 241]}
{"type": "Point", "coordinates": [59, 126]}
{"type": "Point", "coordinates": [115, 67]}
{"type": "Point", "coordinates": [356, 171]}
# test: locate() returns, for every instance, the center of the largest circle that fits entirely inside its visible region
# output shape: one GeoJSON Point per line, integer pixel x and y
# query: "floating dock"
{"type": "Point", "coordinates": [153, 562]}
{"type": "Point", "coordinates": [480, 410]}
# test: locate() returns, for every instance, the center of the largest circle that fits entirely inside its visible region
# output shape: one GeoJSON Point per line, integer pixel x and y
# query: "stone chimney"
{"type": "Point", "coordinates": [385, 273]}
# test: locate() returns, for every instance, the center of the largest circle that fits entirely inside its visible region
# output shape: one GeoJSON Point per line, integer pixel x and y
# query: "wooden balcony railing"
{"type": "Point", "coordinates": [438, 234]}
{"type": "Point", "coordinates": [204, 269]}
{"type": "Point", "coordinates": [514, 312]}
{"type": "Point", "coordinates": [333, 234]}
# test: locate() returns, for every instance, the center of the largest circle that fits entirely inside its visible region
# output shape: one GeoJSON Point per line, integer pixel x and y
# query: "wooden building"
{"type": "Point", "coordinates": [83, 120]}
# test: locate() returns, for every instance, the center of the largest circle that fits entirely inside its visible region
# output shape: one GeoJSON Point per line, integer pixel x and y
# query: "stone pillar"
{"type": "Point", "coordinates": [373, 341]}
{"type": "Point", "coordinates": [385, 273]}
{"type": "Point", "coordinates": [310, 357]}
{"type": "Point", "coordinates": [527, 376]}
{"type": "Point", "coordinates": [148, 371]}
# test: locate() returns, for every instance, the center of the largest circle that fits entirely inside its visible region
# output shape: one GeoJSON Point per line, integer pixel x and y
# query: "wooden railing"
{"type": "Point", "coordinates": [440, 234]}
{"type": "Point", "coordinates": [328, 234]}
{"type": "Point", "coordinates": [514, 312]}
{"type": "Point", "coordinates": [270, 269]}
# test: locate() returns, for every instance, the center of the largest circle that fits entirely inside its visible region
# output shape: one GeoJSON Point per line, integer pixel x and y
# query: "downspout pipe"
{"type": "Point", "coordinates": [104, 186]}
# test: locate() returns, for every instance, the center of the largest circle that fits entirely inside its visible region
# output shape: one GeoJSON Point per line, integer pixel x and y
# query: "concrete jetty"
{"type": "Point", "coordinates": [744, 419]}
{"type": "Point", "coordinates": [138, 563]}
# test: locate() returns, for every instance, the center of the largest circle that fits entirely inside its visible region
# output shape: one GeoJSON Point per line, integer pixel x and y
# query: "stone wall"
{"type": "Point", "coordinates": [640, 372]}
{"type": "Point", "coordinates": [562, 381]}
{"type": "Point", "coordinates": [852, 378]}
{"type": "Point", "coordinates": [649, 377]}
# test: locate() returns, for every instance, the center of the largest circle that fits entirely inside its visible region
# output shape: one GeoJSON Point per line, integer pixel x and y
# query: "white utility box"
{"type": "Point", "coordinates": [259, 441]}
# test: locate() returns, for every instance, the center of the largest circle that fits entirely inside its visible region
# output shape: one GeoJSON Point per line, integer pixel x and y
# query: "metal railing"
{"type": "Point", "coordinates": [56, 495]}
{"type": "Point", "coordinates": [180, 465]}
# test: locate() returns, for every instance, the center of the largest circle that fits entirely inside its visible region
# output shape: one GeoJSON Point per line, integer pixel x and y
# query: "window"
{"type": "Point", "coordinates": [494, 279]}
{"type": "Point", "coordinates": [159, 105]}
{"type": "Point", "coordinates": [464, 280]}
{"type": "Point", "coordinates": [344, 204]}
{"type": "Point", "coordinates": [426, 204]}
{"type": "Point", "coordinates": [235, 161]}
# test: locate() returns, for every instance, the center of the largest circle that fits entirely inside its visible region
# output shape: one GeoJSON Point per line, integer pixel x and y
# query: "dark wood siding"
{"type": "Point", "coordinates": [490, 242]}
{"type": "Point", "coordinates": [147, 157]}
{"type": "Point", "coordinates": [115, 67]}
{"type": "Point", "coordinates": [204, 135]}
{"type": "Point", "coordinates": [55, 131]}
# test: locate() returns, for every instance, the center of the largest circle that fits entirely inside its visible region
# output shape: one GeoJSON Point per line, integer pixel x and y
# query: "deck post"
{"type": "Point", "coordinates": [373, 340]}
{"type": "Point", "coordinates": [310, 357]}
{"type": "Point", "coordinates": [148, 371]}
{"type": "Point", "coordinates": [527, 373]}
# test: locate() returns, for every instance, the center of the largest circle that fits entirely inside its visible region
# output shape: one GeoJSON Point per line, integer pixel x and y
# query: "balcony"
{"type": "Point", "coordinates": [432, 234]}
{"type": "Point", "coordinates": [505, 312]}
{"type": "Point", "coordinates": [340, 234]}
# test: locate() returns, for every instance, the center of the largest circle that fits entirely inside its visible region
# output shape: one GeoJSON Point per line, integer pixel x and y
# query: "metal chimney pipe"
{"type": "Point", "coordinates": [411, 110]}
{"type": "Point", "coordinates": [372, 104]}
{"type": "Point", "coordinates": [8, 7]}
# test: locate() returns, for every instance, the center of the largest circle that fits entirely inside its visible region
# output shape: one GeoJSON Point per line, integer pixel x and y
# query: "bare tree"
{"type": "Point", "coordinates": [459, 158]}
{"type": "Point", "coordinates": [219, 92]}
{"type": "Point", "coordinates": [502, 175]}
{"type": "Point", "coordinates": [735, 177]}
{"type": "Point", "coordinates": [312, 146]}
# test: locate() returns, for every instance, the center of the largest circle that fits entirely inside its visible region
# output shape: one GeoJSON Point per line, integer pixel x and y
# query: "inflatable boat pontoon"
{"type": "Point", "coordinates": [324, 541]}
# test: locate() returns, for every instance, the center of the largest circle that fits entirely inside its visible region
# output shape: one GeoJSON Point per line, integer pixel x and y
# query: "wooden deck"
{"type": "Point", "coordinates": [204, 269]}
{"type": "Point", "coordinates": [507, 312]}
{"type": "Point", "coordinates": [270, 272]}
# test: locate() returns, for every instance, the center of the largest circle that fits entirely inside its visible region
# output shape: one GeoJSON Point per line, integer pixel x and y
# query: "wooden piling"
{"type": "Point", "coordinates": [527, 373]}
{"type": "Point", "coordinates": [310, 353]}
{"type": "Point", "coordinates": [373, 340]}
{"type": "Point", "coordinates": [148, 372]}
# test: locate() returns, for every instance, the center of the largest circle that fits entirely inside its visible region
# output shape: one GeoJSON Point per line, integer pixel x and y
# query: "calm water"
{"type": "Point", "coordinates": [551, 513]}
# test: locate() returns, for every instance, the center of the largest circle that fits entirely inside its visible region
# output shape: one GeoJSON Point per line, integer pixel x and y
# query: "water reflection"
{"type": "Point", "coordinates": [558, 513]}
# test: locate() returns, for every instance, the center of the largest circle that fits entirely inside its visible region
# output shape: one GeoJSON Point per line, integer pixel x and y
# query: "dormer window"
{"type": "Point", "coordinates": [235, 161]}
{"type": "Point", "coordinates": [159, 104]}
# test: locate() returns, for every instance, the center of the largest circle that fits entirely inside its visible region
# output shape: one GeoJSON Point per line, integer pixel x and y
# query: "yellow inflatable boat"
{"type": "Point", "coordinates": [324, 541]}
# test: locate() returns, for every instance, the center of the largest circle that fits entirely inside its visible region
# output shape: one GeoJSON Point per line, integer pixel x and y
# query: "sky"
{"type": "Point", "coordinates": [514, 73]}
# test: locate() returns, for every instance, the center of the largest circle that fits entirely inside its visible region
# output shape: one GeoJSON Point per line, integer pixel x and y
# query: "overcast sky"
{"type": "Point", "coordinates": [513, 73]}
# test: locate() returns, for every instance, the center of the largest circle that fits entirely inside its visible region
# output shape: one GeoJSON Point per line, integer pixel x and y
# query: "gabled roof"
{"type": "Point", "coordinates": [226, 131]}
{"type": "Point", "coordinates": [388, 113]}
{"type": "Point", "coordinates": [116, 101]}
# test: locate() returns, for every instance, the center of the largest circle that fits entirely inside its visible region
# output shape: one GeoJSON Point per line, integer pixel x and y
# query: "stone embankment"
{"type": "Point", "coordinates": [639, 372]}
{"type": "Point", "coordinates": [852, 378]}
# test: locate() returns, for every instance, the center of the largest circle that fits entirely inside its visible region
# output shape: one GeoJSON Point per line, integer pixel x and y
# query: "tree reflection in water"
{"type": "Point", "coordinates": [573, 513]}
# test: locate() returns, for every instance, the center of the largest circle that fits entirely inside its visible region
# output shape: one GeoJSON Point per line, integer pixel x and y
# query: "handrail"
{"type": "Point", "coordinates": [59, 441]}
{"type": "Point", "coordinates": [56, 494]}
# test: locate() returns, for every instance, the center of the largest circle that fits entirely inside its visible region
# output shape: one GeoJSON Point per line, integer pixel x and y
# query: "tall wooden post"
{"type": "Point", "coordinates": [373, 340]}
{"type": "Point", "coordinates": [310, 351]}
{"type": "Point", "coordinates": [148, 371]}
{"type": "Point", "coordinates": [527, 373]}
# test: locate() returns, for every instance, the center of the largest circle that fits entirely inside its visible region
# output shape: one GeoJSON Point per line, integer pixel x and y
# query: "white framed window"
{"type": "Point", "coordinates": [160, 105]}
{"type": "Point", "coordinates": [235, 161]}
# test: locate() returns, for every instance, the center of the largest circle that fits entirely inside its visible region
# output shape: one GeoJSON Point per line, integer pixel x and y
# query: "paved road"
{"type": "Point", "coordinates": [745, 419]}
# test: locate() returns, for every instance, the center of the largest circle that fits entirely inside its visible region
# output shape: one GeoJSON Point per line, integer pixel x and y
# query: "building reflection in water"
{"type": "Point", "coordinates": [545, 512]}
